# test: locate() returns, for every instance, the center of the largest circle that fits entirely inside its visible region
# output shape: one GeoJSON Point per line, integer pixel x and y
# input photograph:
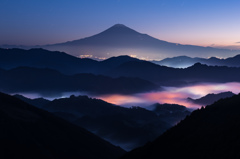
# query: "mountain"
{"type": "Point", "coordinates": [115, 67]}
{"type": "Point", "coordinates": [145, 70]}
{"type": "Point", "coordinates": [210, 132]}
{"type": "Point", "coordinates": [211, 98]}
{"type": "Point", "coordinates": [126, 127]}
{"type": "Point", "coordinates": [39, 58]}
{"type": "Point", "coordinates": [28, 132]}
{"type": "Point", "coordinates": [125, 77]}
{"type": "Point", "coordinates": [113, 62]}
{"type": "Point", "coordinates": [48, 82]}
{"type": "Point", "coordinates": [60, 61]}
{"type": "Point", "coordinates": [37, 102]}
{"type": "Point", "coordinates": [170, 112]}
{"type": "Point", "coordinates": [120, 39]}
{"type": "Point", "coordinates": [166, 76]}
{"type": "Point", "coordinates": [185, 61]}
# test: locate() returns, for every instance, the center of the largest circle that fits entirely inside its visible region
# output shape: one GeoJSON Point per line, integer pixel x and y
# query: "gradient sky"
{"type": "Point", "coordinates": [198, 22]}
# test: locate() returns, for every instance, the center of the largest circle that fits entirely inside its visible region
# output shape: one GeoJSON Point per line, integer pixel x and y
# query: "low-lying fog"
{"type": "Point", "coordinates": [171, 95]}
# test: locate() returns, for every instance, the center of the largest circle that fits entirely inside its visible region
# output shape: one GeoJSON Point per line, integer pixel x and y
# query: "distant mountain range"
{"type": "Point", "coordinates": [48, 82]}
{"type": "Point", "coordinates": [28, 132]}
{"type": "Point", "coordinates": [124, 74]}
{"type": "Point", "coordinates": [166, 76]}
{"type": "Point", "coordinates": [185, 61]}
{"type": "Point", "coordinates": [211, 98]}
{"type": "Point", "coordinates": [60, 61]}
{"type": "Point", "coordinates": [122, 40]}
{"type": "Point", "coordinates": [126, 127]}
{"type": "Point", "coordinates": [67, 64]}
{"type": "Point", "coordinates": [211, 132]}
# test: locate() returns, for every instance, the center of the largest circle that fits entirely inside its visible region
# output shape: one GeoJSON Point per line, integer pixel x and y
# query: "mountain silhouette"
{"type": "Point", "coordinates": [120, 39]}
{"type": "Point", "coordinates": [49, 82]}
{"type": "Point", "coordinates": [181, 61]}
{"type": "Point", "coordinates": [211, 98]}
{"type": "Point", "coordinates": [170, 112]}
{"type": "Point", "coordinates": [115, 67]}
{"type": "Point", "coordinates": [113, 62]}
{"type": "Point", "coordinates": [126, 127]}
{"type": "Point", "coordinates": [60, 61]}
{"type": "Point", "coordinates": [210, 132]}
{"type": "Point", "coordinates": [143, 75]}
{"type": "Point", "coordinates": [28, 132]}
{"type": "Point", "coordinates": [37, 102]}
{"type": "Point", "coordinates": [185, 61]}
{"type": "Point", "coordinates": [167, 76]}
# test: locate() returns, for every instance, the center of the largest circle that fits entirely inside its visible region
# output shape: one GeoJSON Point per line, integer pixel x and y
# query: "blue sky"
{"type": "Point", "coordinates": [198, 22]}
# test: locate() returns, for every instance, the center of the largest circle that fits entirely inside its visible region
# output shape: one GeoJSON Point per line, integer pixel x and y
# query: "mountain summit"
{"type": "Point", "coordinates": [116, 36]}
{"type": "Point", "coordinates": [122, 40]}
{"type": "Point", "coordinates": [119, 26]}
{"type": "Point", "coordinates": [120, 29]}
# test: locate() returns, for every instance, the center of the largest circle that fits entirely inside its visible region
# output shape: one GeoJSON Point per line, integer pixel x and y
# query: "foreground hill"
{"type": "Point", "coordinates": [170, 112]}
{"type": "Point", "coordinates": [211, 132]}
{"type": "Point", "coordinates": [37, 102]}
{"type": "Point", "coordinates": [28, 132]}
{"type": "Point", "coordinates": [126, 127]}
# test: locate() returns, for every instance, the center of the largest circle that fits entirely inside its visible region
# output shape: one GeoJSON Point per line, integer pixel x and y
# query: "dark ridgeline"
{"type": "Point", "coordinates": [60, 61]}
{"type": "Point", "coordinates": [49, 82]}
{"type": "Point", "coordinates": [185, 61]}
{"type": "Point", "coordinates": [39, 58]}
{"type": "Point", "coordinates": [211, 132]}
{"type": "Point", "coordinates": [172, 113]}
{"type": "Point", "coordinates": [210, 98]}
{"type": "Point", "coordinates": [126, 127]}
{"type": "Point", "coordinates": [167, 76]}
{"type": "Point", "coordinates": [117, 67]}
{"type": "Point", "coordinates": [37, 102]}
{"type": "Point", "coordinates": [28, 132]}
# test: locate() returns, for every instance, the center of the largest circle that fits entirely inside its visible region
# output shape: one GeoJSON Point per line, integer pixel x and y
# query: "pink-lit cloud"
{"type": "Point", "coordinates": [173, 95]}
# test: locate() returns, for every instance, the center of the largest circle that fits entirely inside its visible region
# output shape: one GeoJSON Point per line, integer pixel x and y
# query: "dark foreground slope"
{"type": "Point", "coordinates": [126, 127]}
{"type": "Point", "coordinates": [211, 132]}
{"type": "Point", "coordinates": [28, 132]}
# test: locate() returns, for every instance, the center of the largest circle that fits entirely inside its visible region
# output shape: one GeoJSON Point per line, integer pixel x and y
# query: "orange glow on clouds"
{"type": "Point", "coordinates": [167, 97]}
{"type": "Point", "coordinates": [121, 99]}
{"type": "Point", "coordinates": [172, 95]}
{"type": "Point", "coordinates": [146, 99]}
